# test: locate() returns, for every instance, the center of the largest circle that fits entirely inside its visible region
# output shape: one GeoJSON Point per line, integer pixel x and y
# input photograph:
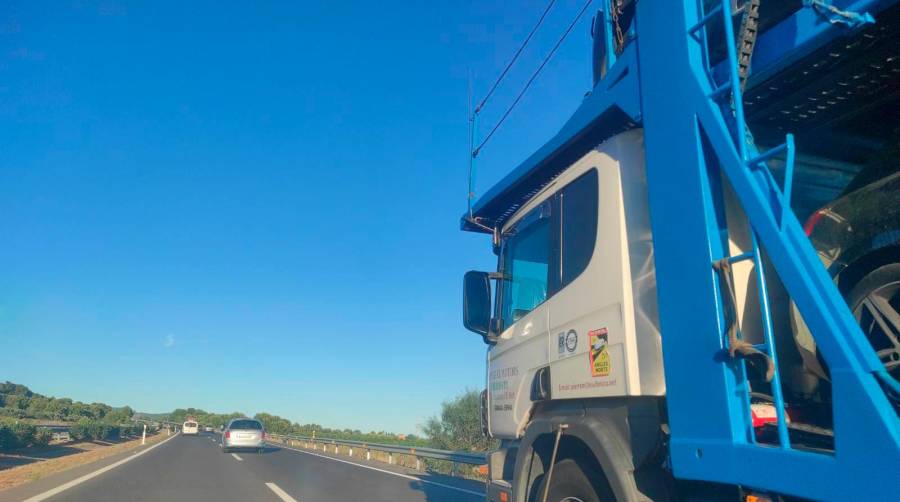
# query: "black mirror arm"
{"type": "Point", "coordinates": [492, 336]}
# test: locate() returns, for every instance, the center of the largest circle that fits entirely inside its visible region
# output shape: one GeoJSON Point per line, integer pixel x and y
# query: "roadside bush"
{"type": "Point", "coordinates": [24, 434]}
{"type": "Point", "coordinates": [137, 429]}
{"type": "Point", "coordinates": [85, 430]}
{"type": "Point", "coordinates": [7, 436]}
{"type": "Point", "coordinates": [81, 430]}
{"type": "Point", "coordinates": [42, 436]}
{"type": "Point", "coordinates": [109, 431]}
{"type": "Point", "coordinates": [16, 434]}
{"type": "Point", "coordinates": [92, 430]}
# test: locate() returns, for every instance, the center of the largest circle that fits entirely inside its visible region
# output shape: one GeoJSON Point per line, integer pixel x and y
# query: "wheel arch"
{"type": "Point", "coordinates": [864, 263]}
{"type": "Point", "coordinates": [602, 435]}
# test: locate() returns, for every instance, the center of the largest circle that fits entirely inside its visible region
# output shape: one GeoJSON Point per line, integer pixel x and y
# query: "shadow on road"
{"type": "Point", "coordinates": [27, 456]}
{"type": "Point", "coordinates": [263, 451]}
{"type": "Point", "coordinates": [438, 493]}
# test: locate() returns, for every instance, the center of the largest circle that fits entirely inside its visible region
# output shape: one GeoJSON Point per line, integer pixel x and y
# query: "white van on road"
{"type": "Point", "coordinates": [190, 428]}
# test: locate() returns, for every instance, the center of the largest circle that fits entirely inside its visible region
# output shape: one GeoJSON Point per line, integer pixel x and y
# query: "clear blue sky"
{"type": "Point", "coordinates": [254, 206]}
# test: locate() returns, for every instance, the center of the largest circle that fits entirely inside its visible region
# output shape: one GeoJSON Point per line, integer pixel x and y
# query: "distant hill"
{"type": "Point", "coordinates": [151, 416]}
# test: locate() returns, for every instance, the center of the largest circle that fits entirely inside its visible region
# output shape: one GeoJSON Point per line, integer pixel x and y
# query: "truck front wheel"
{"type": "Point", "coordinates": [569, 483]}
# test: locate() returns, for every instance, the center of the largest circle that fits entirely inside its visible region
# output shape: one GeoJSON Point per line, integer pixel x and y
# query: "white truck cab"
{"type": "Point", "coordinates": [572, 326]}
{"type": "Point", "coordinates": [575, 304]}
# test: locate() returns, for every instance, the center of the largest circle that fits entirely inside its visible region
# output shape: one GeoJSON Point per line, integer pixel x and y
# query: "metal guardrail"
{"type": "Point", "coordinates": [456, 457]}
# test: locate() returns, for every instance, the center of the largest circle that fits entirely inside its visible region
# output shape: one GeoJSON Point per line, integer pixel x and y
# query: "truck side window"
{"type": "Point", "coordinates": [578, 229]}
{"type": "Point", "coordinates": [526, 264]}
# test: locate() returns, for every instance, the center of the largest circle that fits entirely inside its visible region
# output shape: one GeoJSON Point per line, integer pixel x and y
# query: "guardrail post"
{"type": "Point", "coordinates": [390, 458]}
{"type": "Point", "coordinates": [351, 451]}
{"type": "Point", "coordinates": [368, 454]}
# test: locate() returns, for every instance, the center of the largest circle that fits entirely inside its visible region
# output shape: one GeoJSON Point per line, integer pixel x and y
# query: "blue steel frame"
{"type": "Point", "coordinates": [707, 412]}
{"type": "Point", "coordinates": [662, 82]}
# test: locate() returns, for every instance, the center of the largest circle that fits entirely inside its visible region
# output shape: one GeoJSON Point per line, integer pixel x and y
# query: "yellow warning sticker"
{"type": "Point", "coordinates": [598, 353]}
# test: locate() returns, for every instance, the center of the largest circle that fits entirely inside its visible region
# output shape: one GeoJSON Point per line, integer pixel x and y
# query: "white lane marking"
{"type": "Point", "coordinates": [451, 487]}
{"type": "Point", "coordinates": [235, 455]}
{"type": "Point", "coordinates": [77, 481]}
{"type": "Point", "coordinates": [283, 495]}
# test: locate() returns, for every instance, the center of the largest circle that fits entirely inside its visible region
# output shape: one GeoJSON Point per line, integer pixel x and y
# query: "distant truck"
{"type": "Point", "coordinates": [643, 336]}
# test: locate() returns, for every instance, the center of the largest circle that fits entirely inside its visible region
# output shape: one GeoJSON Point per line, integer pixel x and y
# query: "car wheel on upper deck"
{"type": "Point", "coordinates": [875, 303]}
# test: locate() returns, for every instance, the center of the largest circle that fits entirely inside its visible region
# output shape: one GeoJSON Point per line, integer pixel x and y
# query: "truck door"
{"type": "Point", "coordinates": [587, 334]}
{"type": "Point", "coordinates": [525, 263]}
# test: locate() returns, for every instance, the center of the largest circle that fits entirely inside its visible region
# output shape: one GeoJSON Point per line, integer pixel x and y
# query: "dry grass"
{"type": "Point", "coordinates": [49, 460]}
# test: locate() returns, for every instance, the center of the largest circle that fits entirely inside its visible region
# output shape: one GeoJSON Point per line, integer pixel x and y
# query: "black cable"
{"type": "Point", "coordinates": [514, 58]}
{"type": "Point", "coordinates": [530, 80]}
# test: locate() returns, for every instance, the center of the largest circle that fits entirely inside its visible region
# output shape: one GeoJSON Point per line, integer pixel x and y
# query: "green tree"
{"type": "Point", "coordinates": [274, 423]}
{"type": "Point", "coordinates": [459, 425]}
{"type": "Point", "coordinates": [119, 415]}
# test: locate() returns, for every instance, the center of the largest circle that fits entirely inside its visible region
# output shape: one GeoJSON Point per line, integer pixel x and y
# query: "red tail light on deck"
{"type": "Point", "coordinates": [812, 221]}
{"type": "Point", "coordinates": [227, 434]}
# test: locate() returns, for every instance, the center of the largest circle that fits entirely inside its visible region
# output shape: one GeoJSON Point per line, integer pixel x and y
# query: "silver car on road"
{"type": "Point", "coordinates": [244, 433]}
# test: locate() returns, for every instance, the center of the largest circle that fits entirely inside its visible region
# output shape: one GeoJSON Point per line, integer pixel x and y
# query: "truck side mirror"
{"type": "Point", "coordinates": [477, 302]}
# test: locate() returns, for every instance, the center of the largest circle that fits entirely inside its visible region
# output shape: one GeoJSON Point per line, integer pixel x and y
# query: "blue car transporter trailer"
{"type": "Point", "coordinates": [666, 76]}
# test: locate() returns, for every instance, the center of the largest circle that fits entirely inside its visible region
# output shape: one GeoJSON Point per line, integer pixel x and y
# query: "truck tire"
{"type": "Point", "coordinates": [569, 483]}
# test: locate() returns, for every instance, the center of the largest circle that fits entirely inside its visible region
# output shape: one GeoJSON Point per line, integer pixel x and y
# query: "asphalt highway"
{"type": "Point", "coordinates": [194, 468]}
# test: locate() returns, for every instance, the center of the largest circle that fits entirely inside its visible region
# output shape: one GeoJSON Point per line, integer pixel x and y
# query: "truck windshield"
{"type": "Point", "coordinates": [525, 261]}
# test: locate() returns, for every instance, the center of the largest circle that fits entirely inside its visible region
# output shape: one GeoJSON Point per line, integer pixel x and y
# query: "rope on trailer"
{"type": "Point", "coordinates": [616, 9]}
{"type": "Point", "coordinates": [838, 16]}
{"type": "Point", "coordinates": [736, 344]}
